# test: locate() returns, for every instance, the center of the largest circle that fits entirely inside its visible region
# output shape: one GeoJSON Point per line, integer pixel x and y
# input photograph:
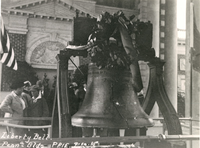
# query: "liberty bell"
{"type": "Point", "coordinates": [110, 101]}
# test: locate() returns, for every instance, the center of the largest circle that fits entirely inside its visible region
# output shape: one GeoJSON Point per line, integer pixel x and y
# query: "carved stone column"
{"type": "Point", "coordinates": [170, 53]}
{"type": "Point", "coordinates": [153, 16]}
{"type": "Point", "coordinates": [195, 73]}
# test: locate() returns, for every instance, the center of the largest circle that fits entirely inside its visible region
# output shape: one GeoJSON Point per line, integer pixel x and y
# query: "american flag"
{"type": "Point", "coordinates": [6, 50]}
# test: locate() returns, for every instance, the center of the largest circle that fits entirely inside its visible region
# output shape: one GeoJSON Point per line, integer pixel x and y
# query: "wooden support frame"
{"type": "Point", "coordinates": [61, 98]}
{"type": "Point", "coordinates": [155, 93]}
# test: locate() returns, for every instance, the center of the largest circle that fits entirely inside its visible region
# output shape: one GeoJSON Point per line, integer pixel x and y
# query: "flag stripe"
{"type": "Point", "coordinates": [4, 43]}
{"type": "Point", "coordinates": [13, 64]}
{"type": "Point", "coordinates": [8, 57]}
{"type": "Point", "coordinates": [3, 58]}
{"type": "Point", "coordinates": [4, 37]}
{"type": "Point", "coordinates": [8, 43]}
{"type": "Point", "coordinates": [11, 59]}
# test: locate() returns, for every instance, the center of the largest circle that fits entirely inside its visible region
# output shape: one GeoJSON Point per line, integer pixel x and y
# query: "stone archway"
{"type": "Point", "coordinates": [42, 54]}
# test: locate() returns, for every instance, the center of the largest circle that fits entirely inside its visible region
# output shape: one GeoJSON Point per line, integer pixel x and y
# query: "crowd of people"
{"type": "Point", "coordinates": [25, 100]}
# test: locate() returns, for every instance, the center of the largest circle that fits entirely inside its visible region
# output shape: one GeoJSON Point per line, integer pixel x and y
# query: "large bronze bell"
{"type": "Point", "coordinates": [110, 101]}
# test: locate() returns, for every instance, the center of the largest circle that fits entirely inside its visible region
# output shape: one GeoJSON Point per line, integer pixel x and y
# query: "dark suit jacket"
{"type": "Point", "coordinates": [38, 109]}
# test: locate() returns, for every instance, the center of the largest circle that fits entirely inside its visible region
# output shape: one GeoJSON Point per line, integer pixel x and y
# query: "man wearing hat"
{"type": "Point", "coordinates": [14, 105]}
{"type": "Point", "coordinates": [38, 108]}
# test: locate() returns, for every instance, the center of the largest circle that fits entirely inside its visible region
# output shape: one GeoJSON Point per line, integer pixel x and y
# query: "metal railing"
{"type": "Point", "coordinates": [191, 127]}
{"type": "Point", "coordinates": [191, 120]}
{"type": "Point", "coordinates": [49, 127]}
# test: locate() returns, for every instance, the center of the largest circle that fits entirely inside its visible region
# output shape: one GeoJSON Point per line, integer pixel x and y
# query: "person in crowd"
{"type": "Point", "coordinates": [74, 104]}
{"type": "Point", "coordinates": [40, 85]}
{"type": "Point", "coordinates": [79, 77]}
{"type": "Point", "coordinates": [27, 85]}
{"type": "Point", "coordinates": [26, 94]}
{"type": "Point", "coordinates": [38, 108]}
{"type": "Point", "coordinates": [73, 86]}
{"type": "Point", "coordinates": [73, 100]}
{"type": "Point", "coordinates": [44, 86]}
{"type": "Point", "coordinates": [51, 97]}
{"type": "Point", "coordinates": [15, 105]}
{"type": "Point", "coordinates": [80, 93]}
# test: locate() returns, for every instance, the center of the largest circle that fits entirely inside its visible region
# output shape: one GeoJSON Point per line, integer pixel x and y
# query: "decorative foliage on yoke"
{"type": "Point", "coordinates": [111, 35]}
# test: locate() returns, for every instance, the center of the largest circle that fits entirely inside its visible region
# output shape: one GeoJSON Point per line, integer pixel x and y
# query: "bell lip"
{"type": "Point", "coordinates": [97, 123]}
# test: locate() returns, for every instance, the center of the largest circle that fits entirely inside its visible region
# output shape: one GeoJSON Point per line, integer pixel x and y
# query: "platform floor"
{"type": "Point", "coordinates": [195, 144]}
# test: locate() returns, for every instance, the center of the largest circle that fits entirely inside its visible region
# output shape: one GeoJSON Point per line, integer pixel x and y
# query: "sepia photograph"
{"type": "Point", "coordinates": [100, 74]}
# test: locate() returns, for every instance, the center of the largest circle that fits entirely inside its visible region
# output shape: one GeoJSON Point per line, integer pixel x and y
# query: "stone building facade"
{"type": "Point", "coordinates": [38, 30]}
